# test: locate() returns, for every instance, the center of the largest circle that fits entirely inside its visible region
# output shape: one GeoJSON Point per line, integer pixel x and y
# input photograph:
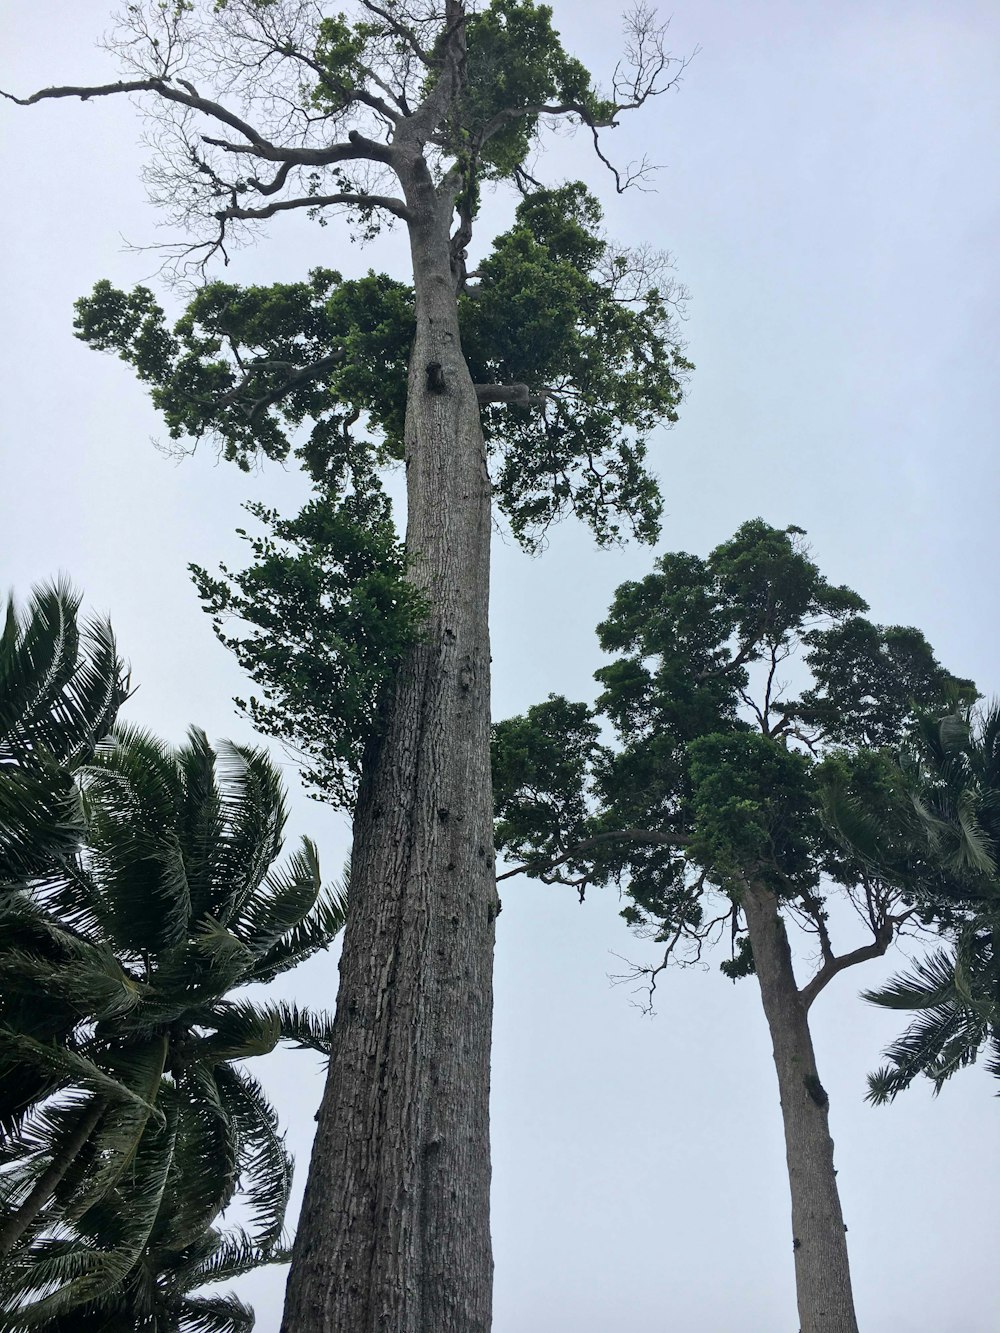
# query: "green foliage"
{"type": "Point", "coordinates": [954, 996]}
{"type": "Point", "coordinates": [719, 774]}
{"type": "Point", "coordinates": [325, 610]}
{"type": "Point", "coordinates": [251, 366]}
{"type": "Point", "coordinates": [540, 768]}
{"type": "Point", "coordinates": [330, 615]}
{"type": "Point", "coordinates": [946, 797]}
{"type": "Point", "coordinates": [872, 681]}
{"type": "Point", "coordinates": [516, 62]}
{"type": "Point", "coordinates": [228, 367]}
{"type": "Point", "coordinates": [340, 47]}
{"type": "Point", "coordinates": [547, 313]}
{"type": "Point", "coordinates": [114, 974]}
{"type": "Point", "coordinates": [61, 686]}
{"type": "Point", "coordinates": [754, 813]}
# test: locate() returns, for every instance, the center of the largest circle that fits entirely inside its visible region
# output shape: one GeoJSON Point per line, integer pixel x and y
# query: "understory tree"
{"type": "Point", "coordinates": [544, 363]}
{"type": "Point", "coordinates": [128, 1122]}
{"type": "Point", "coordinates": [746, 694]}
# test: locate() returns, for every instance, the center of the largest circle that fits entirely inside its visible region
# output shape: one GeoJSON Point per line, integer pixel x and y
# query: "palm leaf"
{"type": "Point", "coordinates": [254, 813]}
{"type": "Point", "coordinates": [206, 1161]}
{"type": "Point", "coordinates": [266, 1166]}
{"type": "Point", "coordinates": [314, 932]}
{"type": "Point", "coordinates": [285, 898]}
{"type": "Point", "coordinates": [54, 1279]}
{"type": "Point", "coordinates": [213, 1314]}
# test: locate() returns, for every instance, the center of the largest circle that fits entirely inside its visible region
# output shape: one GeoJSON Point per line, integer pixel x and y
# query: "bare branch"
{"type": "Point", "coordinates": [358, 200]}
{"type": "Point", "coordinates": [884, 934]}
{"type": "Point", "coordinates": [401, 31]}
{"type": "Point", "coordinates": [296, 377]}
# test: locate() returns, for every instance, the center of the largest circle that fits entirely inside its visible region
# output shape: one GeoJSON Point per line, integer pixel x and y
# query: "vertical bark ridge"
{"type": "Point", "coordinates": [394, 1231]}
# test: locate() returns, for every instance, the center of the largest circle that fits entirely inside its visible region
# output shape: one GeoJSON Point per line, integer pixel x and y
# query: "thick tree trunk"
{"type": "Point", "coordinates": [822, 1272]}
{"type": "Point", "coordinates": [394, 1231]}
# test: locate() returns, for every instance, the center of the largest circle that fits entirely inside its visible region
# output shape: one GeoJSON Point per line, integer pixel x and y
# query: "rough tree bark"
{"type": "Point", "coordinates": [822, 1270]}
{"type": "Point", "coordinates": [394, 1231]}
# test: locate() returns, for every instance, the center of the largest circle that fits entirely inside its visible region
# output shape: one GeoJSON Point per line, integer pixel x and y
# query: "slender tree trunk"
{"type": "Point", "coordinates": [822, 1272]}
{"type": "Point", "coordinates": [48, 1182]}
{"type": "Point", "coordinates": [394, 1231]}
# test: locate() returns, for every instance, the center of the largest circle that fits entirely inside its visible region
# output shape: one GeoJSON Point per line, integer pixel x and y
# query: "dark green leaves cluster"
{"type": "Point", "coordinates": [754, 813]}
{"type": "Point", "coordinates": [61, 685]}
{"type": "Point", "coordinates": [325, 614]}
{"type": "Point", "coordinates": [293, 367]}
{"type": "Point", "coordinates": [250, 365]}
{"type": "Point", "coordinates": [546, 312]}
{"type": "Point", "coordinates": [946, 784]}
{"type": "Point", "coordinates": [732, 678]}
{"type": "Point", "coordinates": [516, 66]}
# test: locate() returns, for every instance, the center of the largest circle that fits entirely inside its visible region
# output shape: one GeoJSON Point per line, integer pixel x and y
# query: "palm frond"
{"type": "Point", "coordinates": [946, 1035]}
{"type": "Point", "coordinates": [254, 816]}
{"type": "Point", "coordinates": [284, 899]}
{"type": "Point", "coordinates": [213, 1314]}
{"type": "Point", "coordinates": [206, 1159]}
{"type": "Point", "coordinates": [929, 985]}
{"type": "Point", "coordinates": [266, 1166]}
{"type": "Point", "coordinates": [132, 792]}
{"type": "Point", "coordinates": [59, 688]}
{"type": "Point", "coordinates": [68, 1066]}
{"type": "Point", "coordinates": [314, 932]}
{"type": "Point", "coordinates": [51, 1281]}
{"type": "Point", "coordinates": [234, 1254]}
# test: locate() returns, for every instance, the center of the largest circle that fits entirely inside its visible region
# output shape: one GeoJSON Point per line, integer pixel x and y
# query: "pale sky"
{"type": "Point", "coordinates": [830, 194]}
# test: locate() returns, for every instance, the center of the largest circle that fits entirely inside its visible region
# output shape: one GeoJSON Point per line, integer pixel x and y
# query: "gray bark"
{"type": "Point", "coordinates": [822, 1271]}
{"type": "Point", "coordinates": [394, 1230]}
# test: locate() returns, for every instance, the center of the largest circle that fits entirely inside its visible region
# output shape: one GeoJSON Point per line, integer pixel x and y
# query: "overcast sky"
{"type": "Point", "coordinates": [830, 193]}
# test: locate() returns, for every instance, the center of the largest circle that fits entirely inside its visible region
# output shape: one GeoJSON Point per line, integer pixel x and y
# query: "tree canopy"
{"type": "Point", "coordinates": [734, 676]}
{"type": "Point", "coordinates": [581, 328]}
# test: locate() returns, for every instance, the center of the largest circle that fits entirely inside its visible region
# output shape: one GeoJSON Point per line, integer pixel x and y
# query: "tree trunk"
{"type": "Point", "coordinates": [822, 1272]}
{"type": "Point", "coordinates": [394, 1231]}
{"type": "Point", "coordinates": [48, 1182]}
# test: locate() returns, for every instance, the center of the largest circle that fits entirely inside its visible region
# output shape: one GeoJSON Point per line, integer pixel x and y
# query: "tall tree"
{"type": "Point", "coordinates": [129, 1121]}
{"type": "Point", "coordinates": [714, 793]}
{"type": "Point", "coordinates": [406, 113]}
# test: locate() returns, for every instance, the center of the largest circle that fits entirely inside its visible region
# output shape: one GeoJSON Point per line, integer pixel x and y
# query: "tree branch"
{"type": "Point", "coordinates": [388, 202]}
{"type": "Point", "coordinates": [832, 965]}
{"type": "Point", "coordinates": [357, 147]}
{"type": "Point", "coordinates": [298, 375]}
{"type": "Point", "coordinates": [644, 837]}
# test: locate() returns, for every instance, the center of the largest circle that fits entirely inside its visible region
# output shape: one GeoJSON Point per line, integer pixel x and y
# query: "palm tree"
{"type": "Point", "coordinates": [952, 774]}
{"type": "Point", "coordinates": [60, 690]}
{"type": "Point", "coordinates": [61, 685]}
{"type": "Point", "coordinates": [143, 1125]}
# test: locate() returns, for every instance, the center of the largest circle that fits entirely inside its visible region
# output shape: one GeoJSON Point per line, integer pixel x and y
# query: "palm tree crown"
{"type": "Point", "coordinates": [130, 1120]}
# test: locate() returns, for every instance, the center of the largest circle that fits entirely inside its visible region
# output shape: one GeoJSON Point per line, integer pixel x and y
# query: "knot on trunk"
{"type": "Point", "coordinates": [816, 1091]}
